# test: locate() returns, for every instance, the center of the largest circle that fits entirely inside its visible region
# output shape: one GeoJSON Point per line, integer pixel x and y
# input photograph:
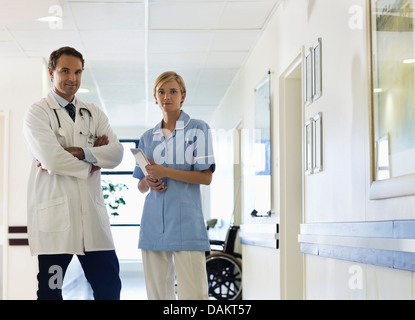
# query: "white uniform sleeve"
{"type": "Point", "coordinates": [45, 147]}
{"type": "Point", "coordinates": [111, 155]}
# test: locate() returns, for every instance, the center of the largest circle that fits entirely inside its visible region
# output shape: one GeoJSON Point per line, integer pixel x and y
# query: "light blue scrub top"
{"type": "Point", "coordinates": [173, 220]}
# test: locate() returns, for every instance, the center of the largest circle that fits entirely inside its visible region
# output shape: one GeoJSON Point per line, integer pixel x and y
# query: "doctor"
{"type": "Point", "coordinates": [66, 210]}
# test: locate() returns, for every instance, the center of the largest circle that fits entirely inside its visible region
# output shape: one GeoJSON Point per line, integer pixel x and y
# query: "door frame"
{"type": "Point", "coordinates": [291, 176]}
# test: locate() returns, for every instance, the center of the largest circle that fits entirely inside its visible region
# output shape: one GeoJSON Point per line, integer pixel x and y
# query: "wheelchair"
{"type": "Point", "coordinates": [224, 267]}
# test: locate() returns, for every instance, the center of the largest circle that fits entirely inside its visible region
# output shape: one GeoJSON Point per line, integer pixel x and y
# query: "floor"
{"type": "Point", "coordinates": [132, 278]}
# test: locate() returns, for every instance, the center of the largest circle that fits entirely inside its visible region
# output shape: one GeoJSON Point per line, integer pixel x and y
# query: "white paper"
{"type": "Point", "coordinates": [141, 159]}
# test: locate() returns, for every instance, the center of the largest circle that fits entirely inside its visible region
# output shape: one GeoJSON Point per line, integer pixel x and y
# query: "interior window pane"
{"type": "Point", "coordinates": [130, 212]}
{"type": "Point", "coordinates": [128, 161]}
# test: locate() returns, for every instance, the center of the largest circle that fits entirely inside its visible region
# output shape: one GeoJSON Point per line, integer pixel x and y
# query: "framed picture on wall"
{"type": "Point", "coordinates": [308, 77]}
{"type": "Point", "coordinates": [308, 152]}
{"type": "Point", "coordinates": [317, 69]}
{"type": "Point", "coordinates": [317, 143]}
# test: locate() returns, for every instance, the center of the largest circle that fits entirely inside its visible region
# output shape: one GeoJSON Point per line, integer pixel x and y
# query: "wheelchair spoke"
{"type": "Point", "coordinates": [224, 276]}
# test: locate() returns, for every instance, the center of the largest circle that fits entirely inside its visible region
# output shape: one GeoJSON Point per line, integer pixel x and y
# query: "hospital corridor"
{"type": "Point", "coordinates": [209, 150]}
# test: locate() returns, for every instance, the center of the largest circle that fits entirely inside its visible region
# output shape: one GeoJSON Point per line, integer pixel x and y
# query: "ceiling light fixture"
{"type": "Point", "coordinates": [49, 19]}
{"type": "Point", "coordinates": [83, 90]}
{"type": "Point", "coordinates": [409, 61]}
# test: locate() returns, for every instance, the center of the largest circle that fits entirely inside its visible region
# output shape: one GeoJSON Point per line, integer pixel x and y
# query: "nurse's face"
{"type": "Point", "coordinates": [169, 97]}
{"type": "Point", "coordinates": [66, 77]}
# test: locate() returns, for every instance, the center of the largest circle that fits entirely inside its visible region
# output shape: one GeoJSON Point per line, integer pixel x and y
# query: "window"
{"type": "Point", "coordinates": [125, 220]}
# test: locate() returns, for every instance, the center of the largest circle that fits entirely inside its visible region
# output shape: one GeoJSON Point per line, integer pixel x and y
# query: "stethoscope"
{"type": "Point", "coordinates": [90, 135]}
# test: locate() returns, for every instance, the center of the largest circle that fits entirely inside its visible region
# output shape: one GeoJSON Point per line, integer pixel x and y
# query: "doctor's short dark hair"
{"type": "Point", "coordinates": [55, 55]}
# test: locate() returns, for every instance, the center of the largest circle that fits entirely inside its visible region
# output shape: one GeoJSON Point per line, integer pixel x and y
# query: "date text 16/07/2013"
{"type": "Point", "coordinates": [232, 309]}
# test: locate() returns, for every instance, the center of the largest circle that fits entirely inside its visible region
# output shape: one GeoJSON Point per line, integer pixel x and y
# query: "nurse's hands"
{"type": "Point", "coordinates": [155, 174]}
{"type": "Point", "coordinates": [155, 184]}
{"type": "Point", "coordinates": [155, 171]}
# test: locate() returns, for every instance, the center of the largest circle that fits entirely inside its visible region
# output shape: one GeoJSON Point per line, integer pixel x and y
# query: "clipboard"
{"type": "Point", "coordinates": [141, 159]}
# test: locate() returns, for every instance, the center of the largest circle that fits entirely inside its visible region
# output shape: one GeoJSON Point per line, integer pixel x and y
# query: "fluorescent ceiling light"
{"type": "Point", "coordinates": [408, 61]}
{"type": "Point", "coordinates": [49, 19]}
{"type": "Point", "coordinates": [377, 90]}
{"type": "Point", "coordinates": [83, 90]}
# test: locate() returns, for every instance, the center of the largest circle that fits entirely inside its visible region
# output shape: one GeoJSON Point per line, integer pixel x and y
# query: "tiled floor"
{"type": "Point", "coordinates": [132, 278]}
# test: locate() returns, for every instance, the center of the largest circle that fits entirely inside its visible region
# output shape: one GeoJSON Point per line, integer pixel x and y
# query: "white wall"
{"type": "Point", "coordinates": [4, 129]}
{"type": "Point", "coordinates": [341, 192]}
{"type": "Point", "coordinates": [20, 87]}
{"type": "Point", "coordinates": [345, 110]}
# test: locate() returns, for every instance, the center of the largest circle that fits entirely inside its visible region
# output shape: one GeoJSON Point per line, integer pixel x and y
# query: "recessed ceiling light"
{"type": "Point", "coordinates": [49, 19]}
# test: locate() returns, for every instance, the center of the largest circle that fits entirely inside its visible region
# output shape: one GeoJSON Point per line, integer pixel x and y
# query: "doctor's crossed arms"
{"type": "Point", "coordinates": [80, 154]}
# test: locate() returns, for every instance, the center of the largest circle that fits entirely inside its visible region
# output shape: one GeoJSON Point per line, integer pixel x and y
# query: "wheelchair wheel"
{"type": "Point", "coordinates": [224, 274]}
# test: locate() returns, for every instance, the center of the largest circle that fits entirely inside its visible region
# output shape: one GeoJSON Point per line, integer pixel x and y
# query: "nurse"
{"type": "Point", "coordinates": [173, 235]}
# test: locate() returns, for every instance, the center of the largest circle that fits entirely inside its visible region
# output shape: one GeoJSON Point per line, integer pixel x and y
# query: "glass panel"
{"type": "Point", "coordinates": [126, 242]}
{"type": "Point", "coordinates": [124, 201]}
{"type": "Point", "coordinates": [130, 212]}
{"type": "Point", "coordinates": [393, 44]}
{"type": "Point", "coordinates": [262, 148]}
{"type": "Point", "coordinates": [124, 205]}
{"type": "Point", "coordinates": [128, 161]}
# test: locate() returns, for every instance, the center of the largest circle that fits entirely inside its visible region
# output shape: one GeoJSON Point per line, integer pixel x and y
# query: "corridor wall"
{"type": "Point", "coordinates": [23, 85]}
{"type": "Point", "coordinates": [341, 192]}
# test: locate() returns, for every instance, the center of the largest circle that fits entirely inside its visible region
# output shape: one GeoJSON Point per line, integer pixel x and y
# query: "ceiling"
{"type": "Point", "coordinates": [128, 43]}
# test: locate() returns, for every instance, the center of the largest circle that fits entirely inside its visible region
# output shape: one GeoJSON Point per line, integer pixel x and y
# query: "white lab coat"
{"type": "Point", "coordinates": [66, 210]}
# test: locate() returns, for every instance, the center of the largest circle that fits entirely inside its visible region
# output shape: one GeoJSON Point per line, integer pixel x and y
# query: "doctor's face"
{"type": "Point", "coordinates": [66, 77]}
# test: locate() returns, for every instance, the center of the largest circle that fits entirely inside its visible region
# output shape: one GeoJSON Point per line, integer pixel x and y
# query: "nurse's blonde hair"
{"type": "Point", "coordinates": [168, 76]}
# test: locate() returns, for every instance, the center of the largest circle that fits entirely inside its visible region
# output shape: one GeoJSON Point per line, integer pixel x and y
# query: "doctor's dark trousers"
{"type": "Point", "coordinates": [101, 269]}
